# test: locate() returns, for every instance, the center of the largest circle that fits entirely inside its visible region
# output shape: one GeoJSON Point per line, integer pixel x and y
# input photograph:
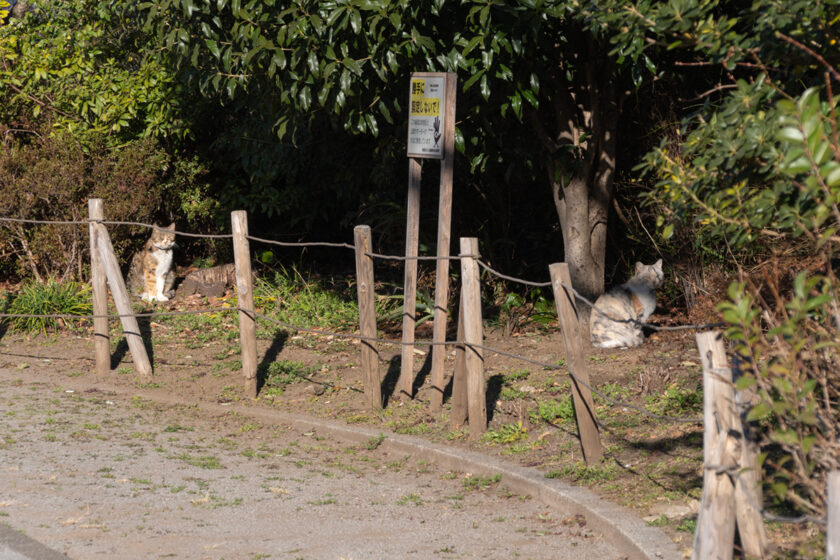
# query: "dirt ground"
{"type": "Point", "coordinates": [651, 466]}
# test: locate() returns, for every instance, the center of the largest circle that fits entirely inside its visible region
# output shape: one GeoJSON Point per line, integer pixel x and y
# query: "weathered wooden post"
{"type": "Point", "coordinates": [564, 300]}
{"type": "Point", "coordinates": [458, 413]}
{"type": "Point", "coordinates": [245, 297]}
{"type": "Point", "coordinates": [832, 525]}
{"type": "Point", "coordinates": [367, 316]}
{"type": "Point", "coordinates": [748, 482]}
{"type": "Point", "coordinates": [443, 242]}
{"type": "Point", "coordinates": [473, 335]}
{"type": "Point", "coordinates": [405, 385]}
{"type": "Point", "coordinates": [122, 301]}
{"type": "Point", "coordinates": [99, 288]}
{"type": "Point", "coordinates": [715, 534]}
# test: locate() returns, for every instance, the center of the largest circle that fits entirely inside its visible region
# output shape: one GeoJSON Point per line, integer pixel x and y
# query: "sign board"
{"type": "Point", "coordinates": [427, 115]}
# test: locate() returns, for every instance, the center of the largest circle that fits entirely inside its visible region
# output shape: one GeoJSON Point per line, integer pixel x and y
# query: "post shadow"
{"type": "Point", "coordinates": [389, 382]}
{"type": "Point", "coordinates": [277, 345]}
{"type": "Point", "coordinates": [424, 372]}
{"type": "Point", "coordinates": [4, 324]}
{"type": "Point", "coordinates": [494, 389]}
{"type": "Point", "coordinates": [145, 326]}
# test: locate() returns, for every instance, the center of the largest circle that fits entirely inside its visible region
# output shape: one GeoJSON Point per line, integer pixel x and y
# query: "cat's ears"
{"type": "Point", "coordinates": [640, 268]}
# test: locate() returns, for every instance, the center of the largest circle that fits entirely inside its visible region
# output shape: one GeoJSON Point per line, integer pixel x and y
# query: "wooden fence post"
{"type": "Point", "coordinates": [564, 299]}
{"type": "Point", "coordinates": [832, 525]}
{"type": "Point", "coordinates": [99, 287]}
{"type": "Point", "coordinates": [367, 316]}
{"type": "Point", "coordinates": [405, 384]}
{"type": "Point", "coordinates": [121, 300]}
{"type": "Point", "coordinates": [458, 413]}
{"type": "Point", "coordinates": [748, 482]}
{"type": "Point", "coordinates": [715, 534]}
{"type": "Point", "coordinates": [473, 357]}
{"type": "Point", "coordinates": [443, 241]}
{"type": "Point", "coordinates": [245, 297]}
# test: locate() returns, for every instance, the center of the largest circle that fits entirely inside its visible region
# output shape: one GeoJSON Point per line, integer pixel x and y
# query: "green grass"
{"type": "Point", "coordinates": [289, 296]}
{"type": "Point", "coordinates": [507, 433]}
{"type": "Point", "coordinates": [481, 482]}
{"type": "Point", "coordinates": [676, 400]}
{"type": "Point", "coordinates": [410, 499]}
{"type": "Point", "coordinates": [278, 375]}
{"type": "Point", "coordinates": [49, 298]}
{"type": "Point", "coordinates": [549, 411]}
{"type": "Point", "coordinates": [206, 462]}
{"type": "Point", "coordinates": [581, 472]}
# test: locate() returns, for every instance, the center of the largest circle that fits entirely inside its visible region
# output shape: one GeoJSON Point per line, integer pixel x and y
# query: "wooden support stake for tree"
{"type": "Point", "coordinates": [99, 288]}
{"type": "Point", "coordinates": [405, 385]}
{"type": "Point", "coordinates": [367, 316]}
{"type": "Point", "coordinates": [458, 414]}
{"type": "Point", "coordinates": [121, 300]}
{"type": "Point", "coordinates": [245, 296]}
{"type": "Point", "coordinates": [564, 299]}
{"type": "Point", "coordinates": [715, 534]}
{"type": "Point", "coordinates": [832, 527]}
{"type": "Point", "coordinates": [473, 335]}
{"type": "Point", "coordinates": [748, 482]}
{"type": "Point", "coordinates": [443, 242]}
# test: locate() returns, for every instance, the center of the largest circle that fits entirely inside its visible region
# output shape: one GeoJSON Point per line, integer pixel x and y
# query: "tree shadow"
{"type": "Point", "coordinates": [145, 326]}
{"type": "Point", "coordinates": [277, 345]}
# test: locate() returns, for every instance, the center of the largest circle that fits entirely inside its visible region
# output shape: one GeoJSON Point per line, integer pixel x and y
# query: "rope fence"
{"type": "Point", "coordinates": [466, 345]}
{"type": "Point", "coordinates": [302, 244]}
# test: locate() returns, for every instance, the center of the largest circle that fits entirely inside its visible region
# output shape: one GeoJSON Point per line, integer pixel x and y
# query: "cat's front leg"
{"type": "Point", "coordinates": [159, 283]}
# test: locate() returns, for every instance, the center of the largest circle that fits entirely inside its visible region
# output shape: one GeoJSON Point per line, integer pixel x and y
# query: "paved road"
{"type": "Point", "coordinates": [95, 474]}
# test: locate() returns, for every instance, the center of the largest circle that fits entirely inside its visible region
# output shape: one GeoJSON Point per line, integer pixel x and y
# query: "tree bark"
{"type": "Point", "coordinates": [578, 134]}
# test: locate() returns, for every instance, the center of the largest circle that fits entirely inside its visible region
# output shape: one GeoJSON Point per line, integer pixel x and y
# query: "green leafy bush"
{"type": "Point", "coordinates": [50, 298]}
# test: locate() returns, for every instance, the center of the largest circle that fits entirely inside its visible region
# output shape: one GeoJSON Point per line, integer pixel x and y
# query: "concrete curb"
{"type": "Point", "coordinates": [14, 545]}
{"type": "Point", "coordinates": [640, 541]}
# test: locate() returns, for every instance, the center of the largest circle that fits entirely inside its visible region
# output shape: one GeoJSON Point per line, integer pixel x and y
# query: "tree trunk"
{"type": "Point", "coordinates": [579, 139]}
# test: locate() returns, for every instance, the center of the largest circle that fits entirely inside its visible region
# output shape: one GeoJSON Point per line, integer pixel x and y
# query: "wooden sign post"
{"type": "Point", "coordinates": [431, 135]}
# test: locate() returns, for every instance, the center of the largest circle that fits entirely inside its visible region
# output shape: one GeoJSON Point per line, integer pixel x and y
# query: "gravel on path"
{"type": "Point", "coordinates": [98, 474]}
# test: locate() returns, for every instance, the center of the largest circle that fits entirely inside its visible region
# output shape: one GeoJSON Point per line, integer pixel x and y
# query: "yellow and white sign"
{"type": "Point", "coordinates": [426, 115]}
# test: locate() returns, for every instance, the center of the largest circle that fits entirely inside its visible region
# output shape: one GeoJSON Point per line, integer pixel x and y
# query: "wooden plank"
{"type": "Point", "coordinates": [443, 242]}
{"type": "Point", "coordinates": [99, 288]}
{"type": "Point", "coordinates": [245, 297]}
{"type": "Point", "coordinates": [122, 301]}
{"type": "Point", "coordinates": [473, 334]}
{"type": "Point", "coordinates": [458, 413]}
{"type": "Point", "coordinates": [715, 534]}
{"type": "Point", "coordinates": [832, 528]}
{"type": "Point", "coordinates": [367, 316]}
{"type": "Point", "coordinates": [748, 497]}
{"type": "Point", "coordinates": [405, 384]}
{"type": "Point", "coordinates": [564, 300]}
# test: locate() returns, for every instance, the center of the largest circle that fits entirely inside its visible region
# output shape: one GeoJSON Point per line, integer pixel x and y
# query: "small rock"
{"type": "Point", "coordinates": [318, 389]}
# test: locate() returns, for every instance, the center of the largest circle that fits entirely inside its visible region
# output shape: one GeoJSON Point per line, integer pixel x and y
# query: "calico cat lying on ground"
{"type": "Point", "coordinates": [630, 304]}
{"type": "Point", "coordinates": [151, 276]}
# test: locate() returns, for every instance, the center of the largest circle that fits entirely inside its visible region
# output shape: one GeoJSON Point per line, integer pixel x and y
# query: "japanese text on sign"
{"type": "Point", "coordinates": [425, 118]}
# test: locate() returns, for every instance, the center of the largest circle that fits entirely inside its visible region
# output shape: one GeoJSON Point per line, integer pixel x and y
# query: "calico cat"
{"type": "Point", "coordinates": [630, 303]}
{"type": "Point", "coordinates": [150, 275]}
